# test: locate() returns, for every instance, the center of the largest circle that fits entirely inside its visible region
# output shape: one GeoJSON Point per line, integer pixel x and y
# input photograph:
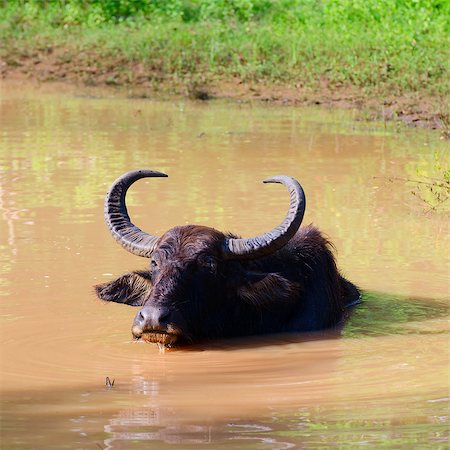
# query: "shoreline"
{"type": "Point", "coordinates": [411, 109]}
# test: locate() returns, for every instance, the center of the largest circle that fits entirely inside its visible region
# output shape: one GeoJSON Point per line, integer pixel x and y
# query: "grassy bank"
{"type": "Point", "coordinates": [376, 49]}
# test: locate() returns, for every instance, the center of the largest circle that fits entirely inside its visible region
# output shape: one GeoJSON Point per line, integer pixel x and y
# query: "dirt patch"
{"type": "Point", "coordinates": [60, 64]}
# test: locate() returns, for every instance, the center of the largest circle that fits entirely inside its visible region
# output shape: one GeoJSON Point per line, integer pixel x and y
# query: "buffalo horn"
{"type": "Point", "coordinates": [124, 232]}
{"type": "Point", "coordinates": [275, 239]}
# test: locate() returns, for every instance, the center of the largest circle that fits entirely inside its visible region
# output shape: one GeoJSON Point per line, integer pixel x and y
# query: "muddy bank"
{"type": "Point", "coordinates": [60, 64]}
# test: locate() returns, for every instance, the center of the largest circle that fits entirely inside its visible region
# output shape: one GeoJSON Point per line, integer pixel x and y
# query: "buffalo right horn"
{"type": "Point", "coordinates": [273, 240]}
{"type": "Point", "coordinates": [124, 232]}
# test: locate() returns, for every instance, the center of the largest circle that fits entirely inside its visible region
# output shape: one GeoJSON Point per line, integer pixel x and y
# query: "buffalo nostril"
{"type": "Point", "coordinates": [139, 324]}
{"type": "Point", "coordinates": [153, 317]}
{"type": "Point", "coordinates": [164, 316]}
{"type": "Point", "coordinates": [141, 317]}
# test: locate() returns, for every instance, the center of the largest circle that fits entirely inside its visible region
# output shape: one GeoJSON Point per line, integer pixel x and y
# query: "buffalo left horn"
{"type": "Point", "coordinates": [124, 232]}
{"type": "Point", "coordinates": [273, 240]}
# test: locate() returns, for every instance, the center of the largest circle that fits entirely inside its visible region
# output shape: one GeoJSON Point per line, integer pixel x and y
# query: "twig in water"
{"type": "Point", "coordinates": [434, 192]}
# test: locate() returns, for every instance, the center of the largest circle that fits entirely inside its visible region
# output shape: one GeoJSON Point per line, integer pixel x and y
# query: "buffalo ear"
{"type": "Point", "coordinates": [131, 288]}
{"type": "Point", "coordinates": [262, 289]}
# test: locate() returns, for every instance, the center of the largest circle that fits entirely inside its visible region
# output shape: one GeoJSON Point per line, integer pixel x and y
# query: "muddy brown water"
{"type": "Point", "coordinates": [383, 383]}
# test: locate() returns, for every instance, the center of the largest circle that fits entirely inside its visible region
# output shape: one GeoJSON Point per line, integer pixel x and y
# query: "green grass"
{"type": "Point", "coordinates": [383, 46]}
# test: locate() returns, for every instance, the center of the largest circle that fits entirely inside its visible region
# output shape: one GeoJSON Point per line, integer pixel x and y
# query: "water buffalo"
{"type": "Point", "coordinates": [204, 284]}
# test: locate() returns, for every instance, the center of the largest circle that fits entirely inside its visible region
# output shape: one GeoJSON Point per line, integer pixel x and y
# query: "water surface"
{"type": "Point", "coordinates": [384, 382]}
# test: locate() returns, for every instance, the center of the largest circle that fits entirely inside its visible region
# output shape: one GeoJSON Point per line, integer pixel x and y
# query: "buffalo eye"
{"type": "Point", "coordinates": [153, 266]}
{"type": "Point", "coordinates": [208, 263]}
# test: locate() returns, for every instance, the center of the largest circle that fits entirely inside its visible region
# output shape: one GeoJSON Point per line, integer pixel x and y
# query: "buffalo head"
{"type": "Point", "coordinates": [202, 283]}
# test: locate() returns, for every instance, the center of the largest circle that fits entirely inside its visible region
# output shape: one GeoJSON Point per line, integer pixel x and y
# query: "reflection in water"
{"type": "Point", "coordinates": [146, 424]}
{"type": "Point", "coordinates": [381, 314]}
{"type": "Point", "coordinates": [122, 419]}
{"type": "Point", "coordinates": [385, 382]}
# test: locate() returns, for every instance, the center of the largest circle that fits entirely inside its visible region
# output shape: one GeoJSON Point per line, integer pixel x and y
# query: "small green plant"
{"type": "Point", "coordinates": [434, 189]}
{"type": "Point", "coordinates": [434, 192]}
{"type": "Point", "coordinates": [431, 185]}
